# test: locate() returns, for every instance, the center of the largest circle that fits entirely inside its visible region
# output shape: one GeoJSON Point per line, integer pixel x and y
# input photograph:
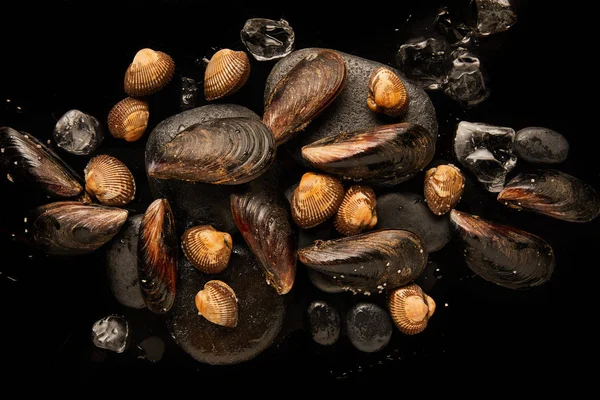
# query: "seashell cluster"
{"type": "Point", "coordinates": [149, 72]}
{"type": "Point", "coordinates": [443, 189]}
{"type": "Point", "coordinates": [206, 248]}
{"type": "Point", "coordinates": [128, 119]}
{"type": "Point", "coordinates": [316, 199]}
{"type": "Point", "coordinates": [217, 303]}
{"type": "Point", "coordinates": [226, 73]}
{"type": "Point", "coordinates": [109, 180]}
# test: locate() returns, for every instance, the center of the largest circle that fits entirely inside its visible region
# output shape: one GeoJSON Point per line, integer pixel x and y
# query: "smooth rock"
{"type": "Point", "coordinates": [369, 327]}
{"type": "Point", "coordinates": [409, 211]}
{"type": "Point", "coordinates": [194, 203]}
{"type": "Point", "coordinates": [121, 264]}
{"type": "Point", "coordinates": [349, 111]}
{"type": "Point", "coordinates": [541, 146]}
{"type": "Point", "coordinates": [261, 312]}
{"type": "Point", "coordinates": [152, 349]}
{"type": "Point", "coordinates": [324, 321]}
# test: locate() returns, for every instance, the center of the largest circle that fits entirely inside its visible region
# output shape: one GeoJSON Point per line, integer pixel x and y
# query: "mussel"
{"type": "Point", "coordinates": [206, 248]}
{"type": "Point", "coordinates": [218, 304]}
{"type": "Point", "coordinates": [109, 180]}
{"type": "Point", "coordinates": [158, 256]}
{"type": "Point", "coordinates": [553, 193]}
{"type": "Point", "coordinates": [357, 212]}
{"type": "Point", "coordinates": [316, 199]}
{"type": "Point", "coordinates": [25, 157]}
{"type": "Point", "coordinates": [369, 262]}
{"type": "Point", "coordinates": [149, 72]}
{"type": "Point", "coordinates": [501, 254]}
{"type": "Point", "coordinates": [306, 90]}
{"type": "Point", "coordinates": [410, 309]}
{"type": "Point", "coordinates": [387, 93]}
{"type": "Point", "coordinates": [72, 228]}
{"type": "Point", "coordinates": [225, 151]}
{"type": "Point", "coordinates": [128, 119]}
{"type": "Point", "coordinates": [266, 227]}
{"type": "Point", "coordinates": [384, 155]}
{"type": "Point", "coordinates": [226, 73]}
{"type": "Point", "coordinates": [443, 189]}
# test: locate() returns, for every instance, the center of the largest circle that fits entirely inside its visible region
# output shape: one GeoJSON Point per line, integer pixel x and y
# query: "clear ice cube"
{"type": "Point", "coordinates": [454, 30]}
{"type": "Point", "coordinates": [486, 151]}
{"type": "Point", "coordinates": [424, 61]}
{"type": "Point", "coordinates": [111, 333]}
{"type": "Point", "coordinates": [189, 93]}
{"type": "Point", "coordinates": [494, 16]}
{"type": "Point", "coordinates": [78, 133]}
{"type": "Point", "coordinates": [465, 82]}
{"type": "Point", "coordinates": [267, 39]}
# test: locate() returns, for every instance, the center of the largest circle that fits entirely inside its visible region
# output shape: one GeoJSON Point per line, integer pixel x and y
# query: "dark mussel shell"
{"type": "Point", "coordinates": [267, 229]}
{"type": "Point", "coordinates": [373, 261]}
{"type": "Point", "coordinates": [225, 151]}
{"type": "Point", "coordinates": [72, 228]}
{"type": "Point", "coordinates": [157, 256]}
{"type": "Point", "coordinates": [552, 193]}
{"type": "Point", "coordinates": [501, 254]}
{"type": "Point", "coordinates": [384, 155]}
{"type": "Point", "coordinates": [26, 157]}
{"type": "Point", "coordinates": [306, 90]}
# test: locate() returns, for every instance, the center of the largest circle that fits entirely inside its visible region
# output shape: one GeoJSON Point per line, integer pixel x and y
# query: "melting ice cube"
{"type": "Point", "coordinates": [424, 61]}
{"type": "Point", "coordinates": [494, 16]}
{"type": "Point", "coordinates": [266, 39]}
{"type": "Point", "coordinates": [465, 82]}
{"type": "Point", "coordinates": [78, 133]}
{"type": "Point", "coordinates": [111, 333]}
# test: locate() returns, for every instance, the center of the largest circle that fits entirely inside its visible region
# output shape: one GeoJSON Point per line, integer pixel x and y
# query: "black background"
{"type": "Point", "coordinates": [65, 55]}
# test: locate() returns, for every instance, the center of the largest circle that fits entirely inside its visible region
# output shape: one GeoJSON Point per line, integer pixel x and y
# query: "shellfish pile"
{"type": "Point", "coordinates": [242, 246]}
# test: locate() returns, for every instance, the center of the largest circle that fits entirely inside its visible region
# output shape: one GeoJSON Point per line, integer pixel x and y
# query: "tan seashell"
{"type": "Point", "coordinates": [317, 198]}
{"type": "Point", "coordinates": [357, 211]}
{"type": "Point", "coordinates": [444, 186]}
{"type": "Point", "coordinates": [149, 72]}
{"type": "Point", "coordinates": [206, 248]}
{"type": "Point", "coordinates": [411, 309]}
{"type": "Point", "coordinates": [387, 94]}
{"type": "Point", "coordinates": [218, 304]}
{"type": "Point", "coordinates": [109, 180]}
{"type": "Point", "coordinates": [226, 73]}
{"type": "Point", "coordinates": [128, 119]}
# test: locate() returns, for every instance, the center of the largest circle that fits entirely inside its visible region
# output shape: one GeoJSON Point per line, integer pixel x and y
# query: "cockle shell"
{"type": "Point", "coordinates": [218, 304]}
{"type": "Point", "coordinates": [387, 93]}
{"type": "Point", "coordinates": [357, 211]}
{"type": "Point", "coordinates": [206, 248]}
{"type": "Point", "coordinates": [316, 199]}
{"type": "Point", "coordinates": [226, 73]}
{"type": "Point", "coordinates": [149, 72]}
{"type": "Point", "coordinates": [109, 180]}
{"type": "Point", "coordinates": [128, 119]}
{"type": "Point", "coordinates": [443, 188]}
{"type": "Point", "coordinates": [410, 309]}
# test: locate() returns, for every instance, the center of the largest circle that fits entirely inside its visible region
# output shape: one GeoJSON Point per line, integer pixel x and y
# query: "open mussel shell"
{"type": "Point", "coordinates": [410, 309]}
{"type": "Point", "coordinates": [501, 254]}
{"type": "Point", "coordinates": [267, 229]}
{"type": "Point", "coordinates": [387, 93]}
{"type": "Point", "coordinates": [384, 155]}
{"type": "Point", "coordinates": [369, 262]}
{"type": "Point", "coordinates": [72, 228]}
{"type": "Point", "coordinates": [149, 72]}
{"type": "Point", "coordinates": [206, 248]}
{"type": "Point", "coordinates": [316, 199]}
{"type": "Point", "coordinates": [553, 193]}
{"type": "Point", "coordinates": [218, 304]}
{"type": "Point", "coordinates": [157, 256]}
{"type": "Point", "coordinates": [226, 73]}
{"type": "Point", "coordinates": [306, 90]}
{"type": "Point", "coordinates": [27, 158]}
{"type": "Point", "coordinates": [357, 212]}
{"type": "Point", "coordinates": [443, 188]}
{"type": "Point", "coordinates": [128, 119]}
{"type": "Point", "coordinates": [109, 180]}
{"type": "Point", "coordinates": [225, 151]}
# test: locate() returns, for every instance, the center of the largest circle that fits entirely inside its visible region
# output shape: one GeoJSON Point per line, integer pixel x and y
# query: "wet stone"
{"type": "Point", "coordinates": [324, 322]}
{"type": "Point", "coordinates": [267, 39]}
{"type": "Point", "coordinates": [189, 93]}
{"type": "Point", "coordinates": [152, 349]}
{"type": "Point", "coordinates": [465, 82]}
{"type": "Point", "coordinates": [111, 333]}
{"type": "Point", "coordinates": [78, 133]}
{"type": "Point", "coordinates": [486, 151]}
{"type": "Point", "coordinates": [539, 145]}
{"type": "Point", "coordinates": [452, 28]}
{"type": "Point", "coordinates": [494, 16]}
{"type": "Point", "coordinates": [425, 62]}
{"type": "Point", "coordinates": [369, 327]}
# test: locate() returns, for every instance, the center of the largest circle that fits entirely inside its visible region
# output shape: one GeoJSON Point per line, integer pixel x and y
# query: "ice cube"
{"type": "Point", "coordinates": [424, 61]}
{"type": "Point", "coordinates": [487, 151]}
{"type": "Point", "coordinates": [78, 133]}
{"type": "Point", "coordinates": [454, 30]}
{"type": "Point", "coordinates": [465, 82]}
{"type": "Point", "coordinates": [111, 333]}
{"type": "Point", "coordinates": [189, 93]}
{"type": "Point", "coordinates": [494, 16]}
{"type": "Point", "coordinates": [267, 39]}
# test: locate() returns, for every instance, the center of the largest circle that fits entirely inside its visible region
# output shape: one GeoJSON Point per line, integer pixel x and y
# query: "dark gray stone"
{"type": "Point", "coordinates": [541, 146]}
{"type": "Point", "coordinates": [325, 323]}
{"type": "Point", "coordinates": [121, 264]}
{"type": "Point", "coordinates": [261, 312]}
{"type": "Point", "coordinates": [152, 349]}
{"type": "Point", "coordinates": [369, 327]}
{"type": "Point", "coordinates": [349, 111]}
{"type": "Point", "coordinates": [409, 211]}
{"type": "Point", "coordinates": [194, 203]}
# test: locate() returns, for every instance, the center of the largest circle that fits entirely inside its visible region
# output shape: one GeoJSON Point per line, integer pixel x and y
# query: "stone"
{"type": "Point", "coordinates": [78, 133]}
{"type": "Point", "coordinates": [539, 145]}
{"type": "Point", "coordinates": [465, 82]}
{"type": "Point", "coordinates": [494, 16]}
{"type": "Point", "coordinates": [425, 61]}
{"type": "Point", "coordinates": [152, 349]}
{"type": "Point", "coordinates": [349, 111]}
{"type": "Point", "coordinates": [111, 333]}
{"type": "Point", "coordinates": [324, 322]}
{"type": "Point", "coordinates": [369, 327]}
{"type": "Point", "coordinates": [267, 39]}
